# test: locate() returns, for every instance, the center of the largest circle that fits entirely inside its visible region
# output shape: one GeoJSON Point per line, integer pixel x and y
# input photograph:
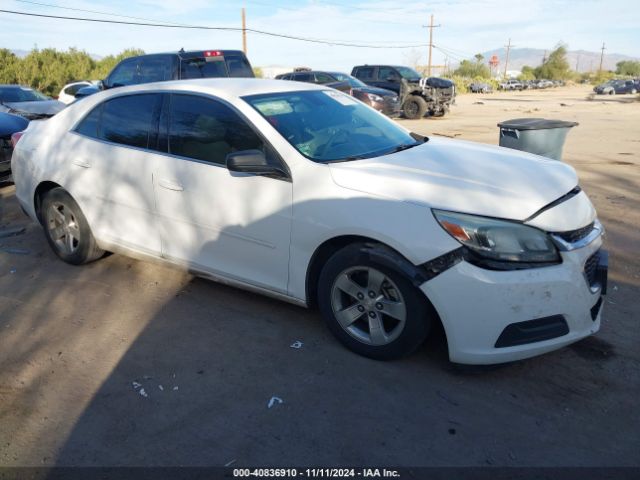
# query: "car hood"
{"type": "Point", "coordinates": [463, 177]}
{"type": "Point", "coordinates": [44, 107]}
{"type": "Point", "coordinates": [377, 91]}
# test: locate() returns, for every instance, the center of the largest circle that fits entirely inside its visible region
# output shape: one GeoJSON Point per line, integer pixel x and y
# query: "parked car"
{"type": "Point", "coordinates": [27, 102]}
{"type": "Point", "coordinates": [480, 87]}
{"type": "Point", "coordinates": [301, 192]}
{"type": "Point", "coordinates": [614, 87]}
{"type": "Point", "coordinates": [9, 125]}
{"type": "Point", "coordinates": [382, 100]}
{"type": "Point", "coordinates": [67, 94]}
{"type": "Point", "coordinates": [510, 85]}
{"type": "Point", "coordinates": [417, 95]}
{"type": "Point", "coordinates": [158, 67]}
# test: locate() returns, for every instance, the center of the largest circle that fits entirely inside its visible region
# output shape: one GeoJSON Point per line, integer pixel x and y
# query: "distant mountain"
{"type": "Point", "coordinates": [580, 60]}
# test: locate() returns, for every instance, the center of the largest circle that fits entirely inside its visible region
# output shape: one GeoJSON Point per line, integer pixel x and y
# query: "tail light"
{"type": "Point", "coordinates": [15, 138]}
{"type": "Point", "coordinates": [212, 53]}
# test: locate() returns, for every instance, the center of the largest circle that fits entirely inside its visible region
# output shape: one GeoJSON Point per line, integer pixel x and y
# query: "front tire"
{"type": "Point", "coordinates": [372, 309]}
{"type": "Point", "coordinates": [67, 229]}
{"type": "Point", "coordinates": [414, 107]}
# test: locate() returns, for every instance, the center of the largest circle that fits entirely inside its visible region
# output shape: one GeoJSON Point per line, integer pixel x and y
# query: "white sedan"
{"type": "Point", "coordinates": [303, 193]}
{"type": "Point", "coordinates": [68, 93]}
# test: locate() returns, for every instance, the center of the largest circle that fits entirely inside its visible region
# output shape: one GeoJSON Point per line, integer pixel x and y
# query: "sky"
{"type": "Point", "coordinates": [465, 27]}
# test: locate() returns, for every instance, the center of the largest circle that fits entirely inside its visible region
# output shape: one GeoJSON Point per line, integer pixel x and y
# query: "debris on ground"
{"type": "Point", "coordinates": [296, 344]}
{"type": "Point", "coordinates": [12, 231]}
{"type": "Point", "coordinates": [136, 385]}
{"type": "Point", "coordinates": [161, 388]}
{"type": "Point", "coordinates": [13, 270]}
{"type": "Point", "coordinates": [143, 393]}
{"type": "Point", "coordinates": [273, 401]}
{"type": "Point", "coordinates": [478, 103]}
{"type": "Point", "coordinates": [228, 464]}
{"type": "Point", "coordinates": [175, 388]}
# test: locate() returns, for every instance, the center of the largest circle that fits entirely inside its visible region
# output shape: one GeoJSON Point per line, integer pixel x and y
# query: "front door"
{"type": "Point", "coordinates": [223, 222]}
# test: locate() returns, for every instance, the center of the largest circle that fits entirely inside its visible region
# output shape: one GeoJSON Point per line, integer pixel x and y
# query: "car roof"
{"type": "Point", "coordinates": [221, 87]}
{"type": "Point", "coordinates": [14, 85]}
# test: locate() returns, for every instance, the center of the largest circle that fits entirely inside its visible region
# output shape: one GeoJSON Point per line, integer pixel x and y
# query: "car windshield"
{"type": "Point", "coordinates": [20, 94]}
{"type": "Point", "coordinates": [328, 125]}
{"type": "Point", "coordinates": [409, 73]}
{"type": "Point", "coordinates": [354, 82]}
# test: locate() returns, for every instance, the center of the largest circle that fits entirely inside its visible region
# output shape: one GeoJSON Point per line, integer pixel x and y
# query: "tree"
{"type": "Point", "coordinates": [628, 67]}
{"type": "Point", "coordinates": [528, 73]}
{"type": "Point", "coordinates": [556, 66]}
{"type": "Point", "coordinates": [470, 69]}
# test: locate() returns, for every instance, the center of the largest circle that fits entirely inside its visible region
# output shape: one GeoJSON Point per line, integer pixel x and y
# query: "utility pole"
{"type": "Point", "coordinates": [431, 26]}
{"type": "Point", "coordinates": [601, 57]}
{"type": "Point", "coordinates": [506, 62]}
{"type": "Point", "coordinates": [244, 32]}
{"type": "Point", "coordinates": [578, 63]}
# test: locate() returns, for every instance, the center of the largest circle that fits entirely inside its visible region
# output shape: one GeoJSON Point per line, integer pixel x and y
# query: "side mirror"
{"type": "Point", "coordinates": [100, 84]}
{"type": "Point", "coordinates": [252, 161]}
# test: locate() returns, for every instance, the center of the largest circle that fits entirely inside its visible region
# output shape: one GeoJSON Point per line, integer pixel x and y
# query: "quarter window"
{"type": "Point", "coordinates": [204, 129]}
{"type": "Point", "coordinates": [324, 78]}
{"type": "Point", "coordinates": [365, 73]}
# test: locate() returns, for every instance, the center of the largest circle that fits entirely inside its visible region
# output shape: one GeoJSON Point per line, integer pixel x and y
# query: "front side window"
{"type": "Point", "coordinates": [385, 72]}
{"type": "Point", "coordinates": [328, 125]}
{"type": "Point", "coordinates": [129, 120]}
{"type": "Point", "coordinates": [324, 78]}
{"type": "Point", "coordinates": [409, 74]}
{"type": "Point", "coordinates": [89, 125]}
{"type": "Point", "coordinates": [303, 77]}
{"type": "Point", "coordinates": [207, 130]}
{"type": "Point", "coordinates": [124, 74]}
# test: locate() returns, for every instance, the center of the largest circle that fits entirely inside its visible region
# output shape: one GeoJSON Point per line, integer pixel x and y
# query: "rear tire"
{"type": "Point", "coordinates": [414, 107]}
{"type": "Point", "coordinates": [67, 229]}
{"type": "Point", "coordinates": [371, 308]}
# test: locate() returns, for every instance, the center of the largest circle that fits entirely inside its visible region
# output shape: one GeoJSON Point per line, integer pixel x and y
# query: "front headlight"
{"type": "Point", "coordinates": [375, 98]}
{"type": "Point", "coordinates": [499, 240]}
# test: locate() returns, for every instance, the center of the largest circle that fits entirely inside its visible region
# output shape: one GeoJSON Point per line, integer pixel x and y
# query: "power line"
{"type": "Point", "coordinates": [229, 29]}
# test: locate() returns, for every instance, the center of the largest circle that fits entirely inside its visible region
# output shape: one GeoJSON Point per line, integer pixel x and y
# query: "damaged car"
{"type": "Point", "coordinates": [28, 103]}
{"type": "Point", "coordinates": [305, 194]}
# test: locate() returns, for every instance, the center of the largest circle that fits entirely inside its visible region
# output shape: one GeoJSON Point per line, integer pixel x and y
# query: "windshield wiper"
{"type": "Point", "coordinates": [405, 146]}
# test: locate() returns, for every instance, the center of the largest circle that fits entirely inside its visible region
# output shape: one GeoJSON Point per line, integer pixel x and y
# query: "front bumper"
{"type": "Point", "coordinates": [477, 305]}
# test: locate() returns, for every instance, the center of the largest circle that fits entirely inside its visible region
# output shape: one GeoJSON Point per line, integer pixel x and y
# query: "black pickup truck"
{"type": "Point", "coordinates": [418, 95]}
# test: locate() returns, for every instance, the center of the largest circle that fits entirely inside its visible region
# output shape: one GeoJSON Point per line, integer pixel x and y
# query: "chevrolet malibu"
{"type": "Point", "coordinates": [305, 194]}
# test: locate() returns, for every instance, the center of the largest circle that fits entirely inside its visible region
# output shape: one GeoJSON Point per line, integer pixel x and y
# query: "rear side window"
{"type": "Point", "coordinates": [204, 129]}
{"type": "Point", "coordinates": [129, 120]}
{"type": "Point", "coordinates": [156, 69]}
{"type": "Point", "coordinates": [89, 125]}
{"type": "Point", "coordinates": [364, 73]}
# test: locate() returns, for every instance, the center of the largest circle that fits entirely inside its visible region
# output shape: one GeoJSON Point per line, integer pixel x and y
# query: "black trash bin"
{"type": "Point", "coordinates": [535, 135]}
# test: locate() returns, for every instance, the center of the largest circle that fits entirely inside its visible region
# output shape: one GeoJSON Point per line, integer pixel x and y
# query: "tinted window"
{"type": "Point", "coordinates": [73, 89]}
{"type": "Point", "coordinates": [303, 77]}
{"type": "Point", "coordinates": [129, 120]}
{"type": "Point", "coordinates": [386, 72]}
{"type": "Point", "coordinates": [324, 78]}
{"type": "Point", "coordinates": [201, 68]}
{"type": "Point", "coordinates": [238, 66]}
{"type": "Point", "coordinates": [89, 125]}
{"type": "Point", "coordinates": [156, 69]}
{"type": "Point", "coordinates": [124, 74]}
{"type": "Point", "coordinates": [208, 130]}
{"type": "Point", "coordinates": [365, 73]}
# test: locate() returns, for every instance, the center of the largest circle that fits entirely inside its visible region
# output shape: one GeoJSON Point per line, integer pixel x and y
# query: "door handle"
{"type": "Point", "coordinates": [169, 185]}
{"type": "Point", "coordinates": [82, 163]}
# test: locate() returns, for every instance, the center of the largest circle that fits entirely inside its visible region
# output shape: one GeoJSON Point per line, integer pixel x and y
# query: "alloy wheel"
{"type": "Point", "coordinates": [368, 305]}
{"type": "Point", "coordinates": [63, 228]}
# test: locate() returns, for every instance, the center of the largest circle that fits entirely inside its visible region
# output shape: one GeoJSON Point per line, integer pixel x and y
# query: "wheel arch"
{"type": "Point", "coordinates": [38, 195]}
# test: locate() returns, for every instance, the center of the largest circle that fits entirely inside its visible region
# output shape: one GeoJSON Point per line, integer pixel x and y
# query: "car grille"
{"type": "Point", "coordinates": [591, 267]}
{"type": "Point", "coordinates": [573, 236]}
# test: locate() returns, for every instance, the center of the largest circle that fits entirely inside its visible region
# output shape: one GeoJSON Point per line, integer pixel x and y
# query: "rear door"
{"type": "Point", "coordinates": [111, 166]}
{"type": "Point", "coordinates": [214, 220]}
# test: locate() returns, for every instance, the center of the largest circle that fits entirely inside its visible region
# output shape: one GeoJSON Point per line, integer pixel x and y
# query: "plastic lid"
{"type": "Point", "coordinates": [535, 124]}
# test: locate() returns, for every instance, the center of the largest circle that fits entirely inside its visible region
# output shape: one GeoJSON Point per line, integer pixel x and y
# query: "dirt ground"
{"type": "Point", "coordinates": [209, 358]}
